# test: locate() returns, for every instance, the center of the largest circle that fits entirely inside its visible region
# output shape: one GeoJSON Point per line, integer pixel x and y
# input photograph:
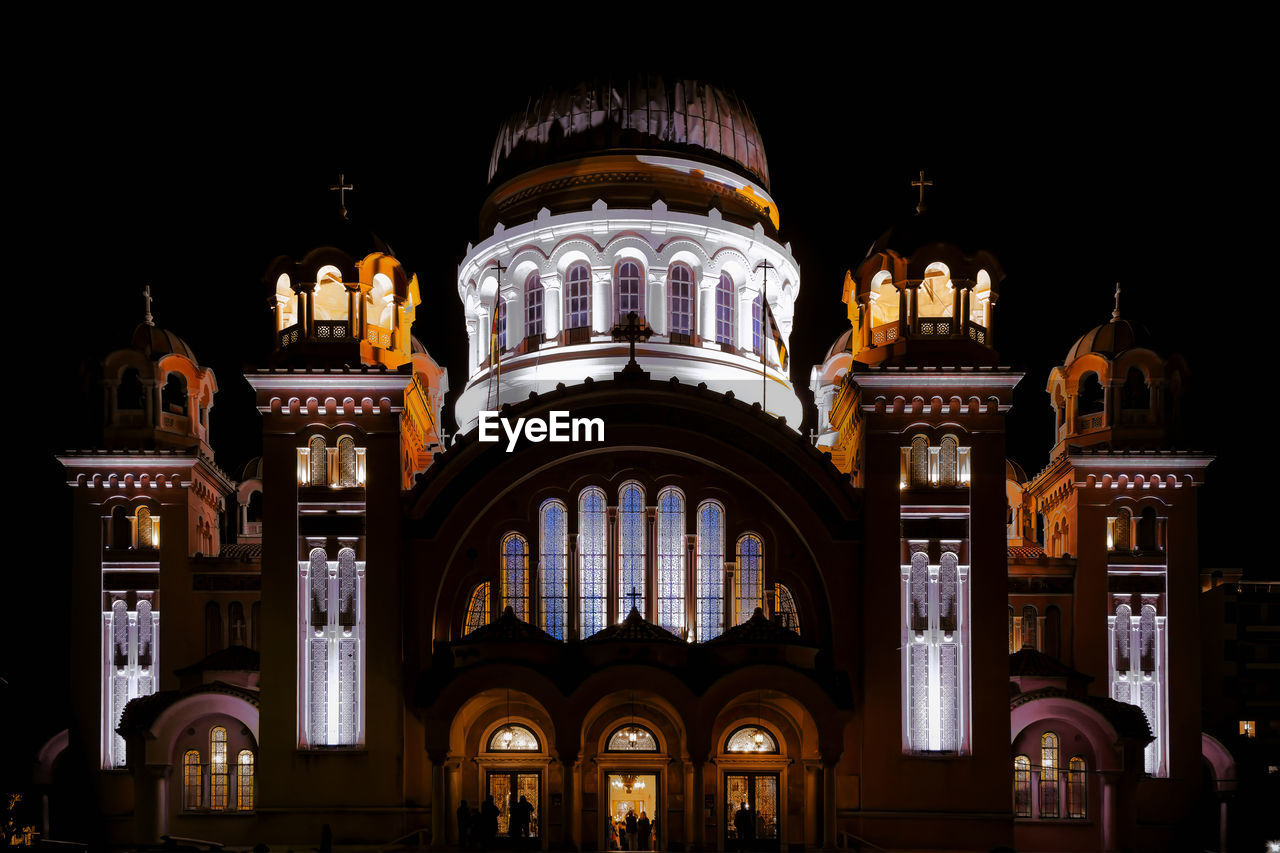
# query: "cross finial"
{"type": "Point", "coordinates": [921, 183]}
{"type": "Point", "coordinates": [342, 188]}
{"type": "Point", "coordinates": [634, 596]}
{"type": "Point", "coordinates": [146, 295]}
{"type": "Point", "coordinates": [813, 437]}
{"type": "Point", "coordinates": [1115, 315]}
{"type": "Point", "coordinates": [631, 331]}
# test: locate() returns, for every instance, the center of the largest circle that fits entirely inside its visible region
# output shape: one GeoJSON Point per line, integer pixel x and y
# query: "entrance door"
{"type": "Point", "coordinates": [506, 788]}
{"type": "Point", "coordinates": [633, 798]}
{"type": "Point", "coordinates": [751, 811]}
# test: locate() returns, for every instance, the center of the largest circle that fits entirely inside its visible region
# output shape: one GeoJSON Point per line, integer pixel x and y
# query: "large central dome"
{"type": "Point", "coordinates": [646, 112]}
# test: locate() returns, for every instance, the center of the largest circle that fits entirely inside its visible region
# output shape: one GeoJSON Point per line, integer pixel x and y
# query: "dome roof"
{"type": "Point", "coordinates": [844, 343]}
{"type": "Point", "coordinates": [647, 112]}
{"type": "Point", "coordinates": [155, 343]}
{"type": "Point", "coordinates": [252, 469]}
{"type": "Point", "coordinates": [1110, 339]}
{"type": "Point", "coordinates": [1013, 471]}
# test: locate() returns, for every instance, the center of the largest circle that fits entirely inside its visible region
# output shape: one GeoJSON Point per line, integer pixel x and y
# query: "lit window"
{"type": "Point", "coordinates": [671, 548]}
{"type": "Point", "coordinates": [318, 464]}
{"type": "Point", "coordinates": [751, 739]}
{"type": "Point", "coordinates": [347, 474]}
{"type": "Point", "coordinates": [680, 299]}
{"type": "Point", "coordinates": [785, 608]}
{"type": "Point", "coordinates": [533, 306]}
{"type": "Point", "coordinates": [244, 781]}
{"type": "Point", "coordinates": [1021, 786]}
{"type": "Point", "coordinates": [710, 571]}
{"type": "Point", "coordinates": [502, 324]}
{"type": "Point", "coordinates": [578, 296]}
{"type": "Point", "coordinates": [757, 323]}
{"type": "Point", "coordinates": [1077, 789]}
{"type": "Point", "coordinates": [630, 289]}
{"type": "Point", "coordinates": [948, 461]}
{"type": "Point", "coordinates": [919, 461]}
{"type": "Point", "coordinates": [553, 577]}
{"type": "Point", "coordinates": [632, 738]}
{"type": "Point", "coordinates": [724, 309]}
{"type": "Point", "coordinates": [632, 580]}
{"type": "Point", "coordinates": [192, 784]}
{"type": "Point", "coordinates": [513, 738]}
{"type": "Point", "coordinates": [515, 575]}
{"type": "Point", "coordinates": [147, 537]}
{"type": "Point", "coordinates": [593, 571]}
{"type": "Point", "coordinates": [750, 577]}
{"type": "Point", "coordinates": [477, 608]}
{"type": "Point", "coordinates": [1049, 775]}
{"type": "Point", "coordinates": [1248, 728]}
{"type": "Point", "coordinates": [218, 768]}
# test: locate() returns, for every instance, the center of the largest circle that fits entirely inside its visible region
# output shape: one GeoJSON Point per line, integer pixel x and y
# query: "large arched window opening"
{"type": "Point", "coordinates": [130, 395]}
{"type": "Point", "coordinates": [173, 397]}
{"type": "Point", "coordinates": [121, 530]}
{"type": "Point", "coordinates": [192, 781]}
{"type": "Point", "coordinates": [513, 737]}
{"type": "Point", "coordinates": [1049, 775]}
{"type": "Point", "coordinates": [632, 580]}
{"type": "Point", "coordinates": [919, 461]}
{"type": "Point", "coordinates": [219, 782]}
{"type": "Point", "coordinates": [785, 611]}
{"type": "Point", "coordinates": [1135, 394]}
{"type": "Point", "coordinates": [948, 461]}
{"type": "Point", "coordinates": [578, 297]}
{"type": "Point", "coordinates": [553, 576]}
{"type": "Point", "coordinates": [1120, 528]}
{"type": "Point", "coordinates": [671, 558]}
{"type": "Point", "coordinates": [477, 608]}
{"type": "Point", "coordinates": [680, 302]}
{"type": "Point", "coordinates": [146, 528]}
{"type": "Point", "coordinates": [501, 325]}
{"type": "Point", "coordinates": [1090, 399]}
{"type": "Point", "coordinates": [1021, 786]}
{"type": "Point", "coordinates": [1147, 533]}
{"type": "Point", "coordinates": [347, 471]}
{"type": "Point", "coordinates": [1030, 622]}
{"type": "Point", "coordinates": [757, 324]}
{"type": "Point", "coordinates": [244, 780]}
{"type": "Point", "coordinates": [749, 580]}
{"type": "Point", "coordinates": [710, 571]}
{"type": "Point", "coordinates": [515, 575]}
{"type": "Point", "coordinates": [593, 562]}
{"type": "Point", "coordinates": [629, 290]}
{"type": "Point", "coordinates": [1077, 789]}
{"type": "Point", "coordinates": [533, 294]}
{"type": "Point", "coordinates": [237, 628]}
{"type": "Point", "coordinates": [725, 294]}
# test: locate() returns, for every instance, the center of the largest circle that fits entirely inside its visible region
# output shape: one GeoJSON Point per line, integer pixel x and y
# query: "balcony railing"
{"type": "Point", "coordinates": [578, 335]}
{"type": "Point", "coordinates": [332, 330]}
{"type": "Point", "coordinates": [377, 335]}
{"type": "Point", "coordinates": [1087, 423]}
{"type": "Point", "coordinates": [928, 327]}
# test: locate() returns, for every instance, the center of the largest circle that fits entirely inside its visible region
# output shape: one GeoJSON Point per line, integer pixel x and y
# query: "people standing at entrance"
{"type": "Point", "coordinates": [464, 824]}
{"type": "Point", "coordinates": [622, 836]}
{"type": "Point", "coordinates": [744, 826]}
{"type": "Point", "coordinates": [521, 815]}
{"type": "Point", "coordinates": [488, 822]}
{"type": "Point", "coordinates": [643, 827]}
{"type": "Point", "coordinates": [631, 829]}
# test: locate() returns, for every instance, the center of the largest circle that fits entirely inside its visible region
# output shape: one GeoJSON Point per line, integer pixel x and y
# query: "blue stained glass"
{"type": "Point", "coordinates": [750, 577]}
{"type": "Point", "coordinates": [671, 560]}
{"type": "Point", "coordinates": [553, 570]}
{"type": "Point", "coordinates": [515, 576]}
{"type": "Point", "coordinates": [631, 551]}
{"type": "Point", "coordinates": [710, 578]}
{"type": "Point", "coordinates": [593, 568]}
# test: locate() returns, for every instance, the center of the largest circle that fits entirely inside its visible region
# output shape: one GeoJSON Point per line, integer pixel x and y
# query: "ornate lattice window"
{"type": "Point", "coordinates": [1120, 530]}
{"type": "Point", "coordinates": [244, 780]}
{"type": "Point", "coordinates": [347, 471]}
{"type": "Point", "coordinates": [632, 738]}
{"type": "Point", "coordinates": [578, 297]}
{"type": "Point", "coordinates": [710, 571]}
{"type": "Point", "coordinates": [593, 563]}
{"type": "Point", "coordinates": [1077, 788]}
{"type": "Point", "coordinates": [146, 529]}
{"type": "Point", "coordinates": [671, 558]}
{"type": "Point", "coordinates": [192, 781]}
{"type": "Point", "coordinates": [347, 589]}
{"type": "Point", "coordinates": [553, 575]}
{"type": "Point", "coordinates": [237, 629]}
{"type": "Point", "coordinates": [1122, 630]}
{"type": "Point", "coordinates": [919, 461]}
{"type": "Point", "coordinates": [513, 738]}
{"type": "Point", "coordinates": [948, 461]}
{"type": "Point", "coordinates": [317, 462]}
{"type": "Point", "coordinates": [680, 299]}
{"type": "Point", "coordinates": [725, 294]}
{"type": "Point", "coordinates": [1049, 775]}
{"type": "Point", "coordinates": [919, 591]}
{"type": "Point", "coordinates": [333, 635]}
{"type": "Point", "coordinates": [1021, 786]}
{"type": "Point", "coordinates": [629, 286]}
{"type": "Point", "coordinates": [515, 575]}
{"type": "Point", "coordinates": [1147, 638]}
{"type": "Point", "coordinates": [948, 588]}
{"type": "Point", "coordinates": [477, 608]}
{"type": "Point", "coordinates": [756, 739]}
{"type": "Point", "coordinates": [785, 610]}
{"type": "Point", "coordinates": [533, 294]}
{"type": "Point", "coordinates": [750, 577]}
{"type": "Point", "coordinates": [631, 550]}
{"type": "Point", "coordinates": [218, 777]}
{"type": "Point", "coordinates": [933, 637]}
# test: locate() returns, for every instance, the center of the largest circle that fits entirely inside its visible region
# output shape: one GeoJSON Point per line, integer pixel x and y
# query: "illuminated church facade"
{"type": "Point", "coordinates": [883, 634]}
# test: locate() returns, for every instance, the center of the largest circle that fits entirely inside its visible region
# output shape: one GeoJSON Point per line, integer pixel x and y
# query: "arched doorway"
{"type": "Point", "coordinates": [753, 787]}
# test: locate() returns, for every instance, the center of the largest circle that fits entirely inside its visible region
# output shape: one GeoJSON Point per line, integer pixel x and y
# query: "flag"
{"type": "Point", "coordinates": [776, 333]}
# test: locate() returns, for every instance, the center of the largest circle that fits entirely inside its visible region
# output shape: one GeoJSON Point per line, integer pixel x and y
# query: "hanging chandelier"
{"type": "Point", "coordinates": [628, 781]}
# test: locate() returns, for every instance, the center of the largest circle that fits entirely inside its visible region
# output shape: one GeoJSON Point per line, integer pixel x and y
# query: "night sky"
{"type": "Point", "coordinates": [168, 170]}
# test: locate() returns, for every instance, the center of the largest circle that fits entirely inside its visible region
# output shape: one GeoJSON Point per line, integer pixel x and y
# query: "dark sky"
{"type": "Point", "coordinates": [189, 171]}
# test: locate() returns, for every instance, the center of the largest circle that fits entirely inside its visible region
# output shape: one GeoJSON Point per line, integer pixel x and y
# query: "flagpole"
{"type": "Point", "coordinates": [764, 347]}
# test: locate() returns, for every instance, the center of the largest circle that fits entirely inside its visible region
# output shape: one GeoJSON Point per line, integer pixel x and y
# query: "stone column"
{"type": "Point", "coordinates": [989, 314]}
{"type": "Point", "coordinates": [828, 804]}
{"type": "Point", "coordinates": [705, 310]}
{"type": "Point", "coordinates": [695, 814]}
{"type": "Point", "coordinates": [1108, 821]}
{"type": "Point", "coordinates": [601, 300]}
{"type": "Point", "coordinates": [569, 826]}
{"type": "Point", "coordinates": [150, 806]}
{"type": "Point", "coordinates": [552, 307]}
{"type": "Point", "coordinates": [439, 803]}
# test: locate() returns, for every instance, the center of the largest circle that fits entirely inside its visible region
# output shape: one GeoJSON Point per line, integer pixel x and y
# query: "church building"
{"type": "Point", "coordinates": [746, 636]}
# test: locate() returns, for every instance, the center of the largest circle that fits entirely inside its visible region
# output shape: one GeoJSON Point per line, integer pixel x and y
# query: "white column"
{"type": "Point", "coordinates": [601, 299]}
{"type": "Point", "coordinates": [706, 308]}
{"type": "Point", "coordinates": [655, 296]}
{"type": "Point", "coordinates": [552, 306]}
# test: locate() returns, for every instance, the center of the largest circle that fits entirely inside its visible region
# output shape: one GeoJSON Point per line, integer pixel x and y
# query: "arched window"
{"type": "Point", "coordinates": [750, 577]}
{"type": "Point", "coordinates": [145, 627]}
{"type": "Point", "coordinates": [725, 293]}
{"type": "Point", "coordinates": [577, 294]}
{"type": "Point", "coordinates": [785, 610]}
{"type": "Point", "coordinates": [629, 290]}
{"type": "Point", "coordinates": [1029, 626]}
{"type": "Point", "coordinates": [244, 780]}
{"type": "Point", "coordinates": [192, 783]}
{"type": "Point", "coordinates": [1122, 629]}
{"type": "Point", "coordinates": [347, 475]}
{"type": "Point", "coordinates": [1049, 775]}
{"type": "Point", "coordinates": [254, 512]}
{"type": "Point", "coordinates": [1014, 640]}
{"type": "Point", "coordinates": [948, 589]}
{"type": "Point", "coordinates": [236, 627]}
{"type": "Point", "coordinates": [173, 397]}
{"type": "Point", "coordinates": [212, 627]}
{"type": "Point", "coordinates": [553, 575]}
{"type": "Point", "coordinates": [671, 550]}
{"type": "Point", "coordinates": [948, 461]}
{"type": "Point", "coordinates": [755, 739]}
{"type": "Point", "coordinates": [130, 395]}
{"type": "Point", "coordinates": [1135, 394]}
{"type": "Point", "coordinates": [757, 323]}
{"type": "Point", "coordinates": [477, 608]}
{"type": "Point", "coordinates": [1147, 638]}
{"type": "Point", "coordinates": [1120, 530]}
{"type": "Point", "coordinates": [631, 553]}
{"type": "Point", "coordinates": [593, 569]}
{"type": "Point", "coordinates": [919, 580]}
{"type": "Point", "coordinates": [513, 738]}
{"type": "Point", "coordinates": [680, 300]}
{"type": "Point", "coordinates": [1089, 398]}
{"type": "Point", "coordinates": [1021, 786]}
{"type": "Point", "coordinates": [632, 738]}
{"type": "Point", "coordinates": [347, 588]}
{"type": "Point", "coordinates": [1053, 631]}
{"type": "Point", "coordinates": [515, 575]}
{"type": "Point", "coordinates": [146, 528]}
{"type": "Point", "coordinates": [318, 465]}
{"type": "Point", "coordinates": [255, 619]}
{"type": "Point", "coordinates": [319, 572]}
{"type": "Point", "coordinates": [502, 324]}
{"type": "Point", "coordinates": [121, 534]}
{"type": "Point", "coordinates": [919, 461]}
{"type": "Point", "coordinates": [218, 781]}
{"type": "Point", "coordinates": [533, 307]}
{"type": "Point", "coordinates": [1147, 540]}
{"type": "Point", "coordinates": [1077, 789]}
{"type": "Point", "coordinates": [710, 571]}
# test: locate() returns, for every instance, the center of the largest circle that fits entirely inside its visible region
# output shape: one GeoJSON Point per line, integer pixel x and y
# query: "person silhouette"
{"type": "Point", "coordinates": [464, 824]}
{"type": "Point", "coordinates": [488, 822]}
{"type": "Point", "coordinates": [643, 827]}
{"type": "Point", "coordinates": [744, 826]}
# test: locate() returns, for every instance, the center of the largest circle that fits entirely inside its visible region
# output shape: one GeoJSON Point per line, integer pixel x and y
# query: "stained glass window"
{"type": "Point", "coordinates": [1049, 775]}
{"type": "Point", "coordinates": [192, 783]}
{"type": "Point", "coordinates": [1021, 786]}
{"type": "Point", "coordinates": [347, 462]}
{"type": "Point", "coordinates": [502, 324]}
{"type": "Point", "coordinates": [318, 462]}
{"type": "Point", "coordinates": [513, 738]}
{"type": "Point", "coordinates": [785, 608]}
{"type": "Point", "coordinates": [750, 579]}
{"type": "Point", "coordinates": [578, 296]}
{"type": "Point", "coordinates": [680, 299]}
{"type": "Point", "coordinates": [632, 738]}
{"type": "Point", "coordinates": [553, 577]}
{"type": "Point", "coordinates": [244, 780]}
{"type": "Point", "coordinates": [710, 572]}
{"type": "Point", "coordinates": [751, 739]}
{"type": "Point", "coordinates": [671, 550]}
{"type": "Point", "coordinates": [477, 608]}
{"type": "Point", "coordinates": [630, 290]}
{"type": "Point", "coordinates": [631, 551]}
{"type": "Point", "coordinates": [593, 566]}
{"type": "Point", "coordinates": [757, 323]}
{"type": "Point", "coordinates": [1077, 788]}
{"type": "Point", "coordinates": [724, 309]}
{"type": "Point", "coordinates": [218, 782]}
{"type": "Point", "coordinates": [515, 575]}
{"type": "Point", "coordinates": [533, 306]}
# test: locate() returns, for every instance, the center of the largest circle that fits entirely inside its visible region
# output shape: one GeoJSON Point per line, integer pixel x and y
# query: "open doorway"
{"type": "Point", "coordinates": [631, 822]}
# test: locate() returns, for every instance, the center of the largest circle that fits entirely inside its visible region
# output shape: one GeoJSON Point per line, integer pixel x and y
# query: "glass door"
{"type": "Point", "coordinates": [751, 811]}
{"type": "Point", "coordinates": [515, 793]}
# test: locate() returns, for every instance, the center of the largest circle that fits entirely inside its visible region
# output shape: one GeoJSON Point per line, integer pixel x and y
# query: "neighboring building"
{"type": "Point", "coordinates": [702, 615]}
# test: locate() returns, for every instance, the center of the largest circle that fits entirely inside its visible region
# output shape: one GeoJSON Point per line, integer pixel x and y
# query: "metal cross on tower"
{"type": "Point", "coordinates": [1115, 314]}
{"type": "Point", "coordinates": [633, 595]}
{"type": "Point", "coordinates": [631, 331]}
{"type": "Point", "coordinates": [342, 188]}
{"type": "Point", "coordinates": [146, 295]}
{"type": "Point", "coordinates": [921, 183]}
